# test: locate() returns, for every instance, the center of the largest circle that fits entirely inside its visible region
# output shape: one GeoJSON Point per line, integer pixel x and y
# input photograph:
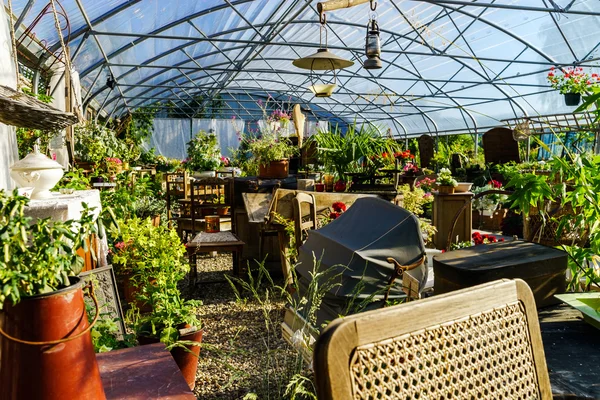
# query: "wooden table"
{"type": "Point", "coordinates": [572, 349]}
{"type": "Point", "coordinates": [143, 372]}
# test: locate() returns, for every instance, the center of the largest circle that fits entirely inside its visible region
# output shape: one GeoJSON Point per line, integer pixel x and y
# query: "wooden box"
{"type": "Point", "coordinates": [543, 268]}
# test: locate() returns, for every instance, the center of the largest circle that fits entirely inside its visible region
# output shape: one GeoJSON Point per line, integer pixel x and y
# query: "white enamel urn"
{"type": "Point", "coordinates": [37, 171]}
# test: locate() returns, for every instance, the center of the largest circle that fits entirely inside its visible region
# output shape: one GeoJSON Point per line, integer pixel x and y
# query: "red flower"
{"type": "Point", "coordinates": [495, 184]}
{"type": "Point", "coordinates": [334, 215]}
{"type": "Point", "coordinates": [339, 207]}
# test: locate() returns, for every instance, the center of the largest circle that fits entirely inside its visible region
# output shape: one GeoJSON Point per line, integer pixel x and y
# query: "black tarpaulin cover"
{"type": "Point", "coordinates": [354, 249]}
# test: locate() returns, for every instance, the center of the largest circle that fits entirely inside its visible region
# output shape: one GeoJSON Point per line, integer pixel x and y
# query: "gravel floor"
{"type": "Point", "coordinates": [240, 355]}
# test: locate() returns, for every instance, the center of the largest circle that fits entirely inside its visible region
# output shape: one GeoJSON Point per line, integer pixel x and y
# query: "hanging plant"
{"type": "Point", "coordinates": [572, 82]}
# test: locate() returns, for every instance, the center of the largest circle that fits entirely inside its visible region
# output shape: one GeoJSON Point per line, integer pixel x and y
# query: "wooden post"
{"type": "Point", "coordinates": [337, 4]}
{"type": "Point", "coordinates": [70, 140]}
{"type": "Point", "coordinates": [445, 207]}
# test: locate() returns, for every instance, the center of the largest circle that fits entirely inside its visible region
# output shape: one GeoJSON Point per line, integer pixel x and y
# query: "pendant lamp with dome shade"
{"type": "Point", "coordinates": [322, 60]}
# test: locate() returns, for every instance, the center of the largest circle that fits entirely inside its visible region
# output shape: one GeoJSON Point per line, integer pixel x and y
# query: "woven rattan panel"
{"type": "Point", "coordinates": [485, 356]}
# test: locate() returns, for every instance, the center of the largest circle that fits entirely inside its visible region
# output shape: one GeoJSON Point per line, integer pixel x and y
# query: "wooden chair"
{"type": "Point", "coordinates": [176, 189]}
{"type": "Point", "coordinates": [302, 223]}
{"type": "Point", "coordinates": [481, 342]}
{"type": "Point", "coordinates": [207, 196]}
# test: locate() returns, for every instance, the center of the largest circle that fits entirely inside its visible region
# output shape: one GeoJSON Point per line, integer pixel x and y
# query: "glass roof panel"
{"type": "Point", "coordinates": [444, 63]}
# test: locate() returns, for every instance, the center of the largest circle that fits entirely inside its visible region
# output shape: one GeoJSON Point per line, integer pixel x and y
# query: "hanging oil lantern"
{"type": "Point", "coordinates": [372, 46]}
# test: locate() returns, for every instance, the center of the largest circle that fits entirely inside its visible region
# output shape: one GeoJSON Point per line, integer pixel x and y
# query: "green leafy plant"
{"type": "Point", "coordinates": [95, 143]}
{"type": "Point", "coordinates": [75, 179]}
{"type": "Point", "coordinates": [145, 252]}
{"type": "Point", "coordinates": [445, 178]}
{"type": "Point", "coordinates": [170, 313]}
{"type": "Point", "coordinates": [105, 332]}
{"type": "Point", "coordinates": [38, 257]}
{"type": "Point", "coordinates": [359, 150]}
{"type": "Point", "coordinates": [269, 147]}
{"type": "Point", "coordinates": [149, 206]}
{"type": "Point", "coordinates": [203, 153]}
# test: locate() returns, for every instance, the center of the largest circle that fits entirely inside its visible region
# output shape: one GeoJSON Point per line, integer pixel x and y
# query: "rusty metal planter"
{"type": "Point", "coordinates": [47, 350]}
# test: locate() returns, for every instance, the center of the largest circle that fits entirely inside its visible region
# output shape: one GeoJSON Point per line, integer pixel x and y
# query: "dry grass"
{"type": "Point", "coordinates": [239, 355]}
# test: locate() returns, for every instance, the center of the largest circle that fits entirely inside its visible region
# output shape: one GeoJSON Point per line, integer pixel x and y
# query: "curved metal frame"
{"type": "Point", "coordinates": [260, 40]}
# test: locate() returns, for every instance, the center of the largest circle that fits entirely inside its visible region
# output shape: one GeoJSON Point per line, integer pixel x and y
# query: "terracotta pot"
{"type": "Point", "coordinates": [223, 211]}
{"type": "Point", "coordinates": [340, 186]}
{"type": "Point", "coordinates": [320, 187]}
{"type": "Point", "coordinates": [445, 189]}
{"type": "Point", "coordinates": [186, 359]}
{"type": "Point", "coordinates": [66, 370]}
{"type": "Point", "coordinates": [156, 220]}
{"type": "Point", "coordinates": [274, 170]}
{"type": "Point", "coordinates": [130, 292]}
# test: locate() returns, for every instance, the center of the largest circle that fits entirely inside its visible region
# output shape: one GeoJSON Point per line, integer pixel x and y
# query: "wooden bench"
{"type": "Point", "coordinates": [143, 372]}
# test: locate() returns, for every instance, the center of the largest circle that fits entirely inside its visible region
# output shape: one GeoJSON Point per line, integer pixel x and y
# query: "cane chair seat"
{"type": "Point", "coordinates": [482, 342]}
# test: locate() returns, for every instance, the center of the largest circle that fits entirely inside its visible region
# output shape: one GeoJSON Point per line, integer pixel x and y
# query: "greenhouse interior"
{"type": "Point", "coordinates": [298, 199]}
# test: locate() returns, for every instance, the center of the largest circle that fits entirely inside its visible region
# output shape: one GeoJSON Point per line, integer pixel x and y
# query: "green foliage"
{"type": "Point", "coordinates": [26, 138]}
{"type": "Point", "coordinates": [300, 387]}
{"type": "Point", "coordinates": [140, 127]}
{"type": "Point", "coordinates": [145, 252]}
{"type": "Point", "coordinates": [464, 145]}
{"type": "Point", "coordinates": [203, 153]}
{"type": "Point", "coordinates": [148, 157]}
{"type": "Point", "coordinates": [242, 157]}
{"type": "Point", "coordinates": [414, 200]}
{"type": "Point", "coordinates": [169, 314]}
{"type": "Point", "coordinates": [269, 147]}
{"type": "Point", "coordinates": [122, 202]}
{"type": "Point", "coordinates": [445, 178]}
{"type": "Point", "coordinates": [74, 179]}
{"type": "Point", "coordinates": [38, 257]}
{"type": "Point", "coordinates": [148, 206]}
{"type": "Point", "coordinates": [104, 333]}
{"type": "Point", "coordinates": [94, 143]}
{"type": "Point", "coordinates": [152, 258]}
{"type": "Point", "coordinates": [529, 190]}
{"type": "Point", "coordinates": [356, 151]}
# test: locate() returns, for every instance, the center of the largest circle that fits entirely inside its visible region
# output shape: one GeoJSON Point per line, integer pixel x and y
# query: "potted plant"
{"type": "Point", "coordinates": [204, 155]}
{"type": "Point", "coordinates": [361, 150]}
{"type": "Point", "coordinates": [143, 253]}
{"type": "Point", "coordinates": [173, 322]}
{"type": "Point", "coordinates": [446, 183]}
{"type": "Point", "coordinates": [272, 154]}
{"type": "Point", "coordinates": [47, 349]}
{"type": "Point", "coordinates": [94, 143]}
{"type": "Point", "coordinates": [572, 82]}
{"type": "Point", "coordinates": [149, 207]}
